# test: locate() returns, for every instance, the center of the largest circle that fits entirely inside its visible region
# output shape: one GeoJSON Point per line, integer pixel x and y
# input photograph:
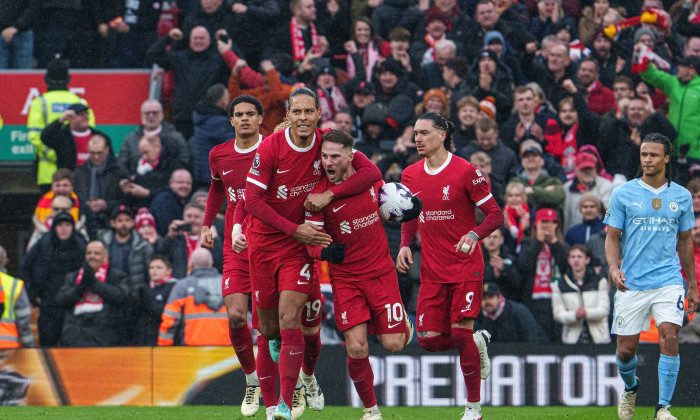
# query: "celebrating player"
{"type": "Point", "coordinates": [653, 213]}
{"type": "Point", "coordinates": [285, 169]}
{"type": "Point", "coordinates": [365, 287]}
{"type": "Point", "coordinates": [452, 268]}
{"type": "Point", "coordinates": [229, 164]}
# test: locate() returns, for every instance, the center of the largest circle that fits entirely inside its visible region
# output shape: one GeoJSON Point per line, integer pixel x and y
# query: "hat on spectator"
{"type": "Point", "coordinates": [488, 107]}
{"type": "Point", "coordinates": [491, 289]}
{"type": "Point", "coordinates": [434, 93]}
{"type": "Point", "coordinates": [600, 32]}
{"type": "Point", "coordinates": [400, 110]}
{"type": "Point", "coordinates": [530, 146]}
{"type": "Point", "coordinates": [562, 25]}
{"type": "Point", "coordinates": [121, 209]}
{"type": "Point", "coordinates": [494, 37]}
{"type": "Point", "coordinates": [144, 218]}
{"type": "Point", "coordinates": [546, 214]}
{"type": "Point", "coordinates": [78, 108]}
{"type": "Point", "coordinates": [57, 73]}
{"type": "Point", "coordinates": [198, 194]}
{"type": "Point", "coordinates": [488, 53]}
{"type": "Point", "coordinates": [375, 113]}
{"type": "Point", "coordinates": [393, 66]}
{"type": "Point", "coordinates": [325, 70]}
{"type": "Point", "coordinates": [644, 31]}
{"type": "Point", "coordinates": [589, 196]}
{"type": "Point", "coordinates": [62, 217]}
{"type": "Point", "coordinates": [363, 88]}
{"type": "Point", "coordinates": [692, 61]}
{"type": "Point", "coordinates": [585, 160]}
{"type": "Point", "coordinates": [557, 1]}
{"type": "Point", "coordinates": [436, 14]}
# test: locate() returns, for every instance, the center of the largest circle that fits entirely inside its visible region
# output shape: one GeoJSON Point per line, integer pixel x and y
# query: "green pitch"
{"type": "Point", "coordinates": [332, 413]}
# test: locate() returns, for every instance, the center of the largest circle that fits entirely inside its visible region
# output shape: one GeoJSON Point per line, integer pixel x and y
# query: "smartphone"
{"type": "Point", "coordinates": [185, 227]}
{"type": "Point", "coordinates": [224, 38]}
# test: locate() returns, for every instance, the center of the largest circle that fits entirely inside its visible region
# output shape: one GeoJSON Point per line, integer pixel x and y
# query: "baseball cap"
{"type": "Point", "coordinates": [585, 160]}
{"type": "Point", "coordinates": [78, 108]}
{"type": "Point", "coordinates": [488, 53]}
{"type": "Point", "coordinates": [121, 209]}
{"type": "Point", "coordinates": [491, 289]}
{"type": "Point", "coordinates": [546, 214]}
{"type": "Point", "coordinates": [363, 88]}
{"type": "Point", "coordinates": [530, 146]}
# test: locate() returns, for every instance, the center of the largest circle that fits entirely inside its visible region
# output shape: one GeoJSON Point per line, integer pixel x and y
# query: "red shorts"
{"type": "Point", "coordinates": [375, 299]}
{"type": "Point", "coordinates": [442, 304]}
{"type": "Point", "coordinates": [271, 273]}
{"type": "Point", "coordinates": [236, 276]}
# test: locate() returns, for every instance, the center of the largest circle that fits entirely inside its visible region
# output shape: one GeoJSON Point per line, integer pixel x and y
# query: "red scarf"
{"type": "Point", "coordinates": [154, 283]}
{"type": "Point", "coordinates": [330, 106]}
{"type": "Point", "coordinates": [91, 302]}
{"type": "Point", "coordinates": [515, 221]}
{"type": "Point", "coordinates": [542, 286]}
{"type": "Point", "coordinates": [499, 310]}
{"type": "Point", "coordinates": [145, 167]}
{"type": "Point", "coordinates": [429, 55]}
{"type": "Point", "coordinates": [298, 47]}
{"type": "Point", "coordinates": [568, 156]}
{"type": "Point", "coordinates": [192, 244]}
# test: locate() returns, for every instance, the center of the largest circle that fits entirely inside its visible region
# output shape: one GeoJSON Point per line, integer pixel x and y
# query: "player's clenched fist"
{"type": "Point", "coordinates": [206, 238]}
{"type": "Point", "coordinates": [403, 260]}
{"type": "Point", "coordinates": [308, 234]}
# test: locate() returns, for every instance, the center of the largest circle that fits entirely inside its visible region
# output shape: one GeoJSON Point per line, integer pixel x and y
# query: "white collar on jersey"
{"type": "Point", "coordinates": [251, 148]}
{"type": "Point", "coordinates": [650, 188]}
{"type": "Point", "coordinates": [295, 147]}
{"type": "Point", "coordinates": [438, 170]}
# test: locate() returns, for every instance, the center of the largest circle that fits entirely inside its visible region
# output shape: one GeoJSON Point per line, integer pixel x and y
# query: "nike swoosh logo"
{"type": "Point", "coordinates": [392, 326]}
{"type": "Point", "coordinates": [294, 353]}
{"type": "Point", "coordinates": [312, 319]}
{"type": "Point", "coordinates": [465, 310]}
{"type": "Point", "coordinates": [281, 172]}
{"type": "Point", "coordinates": [415, 194]}
{"type": "Point", "coordinates": [336, 209]}
{"type": "Point", "coordinates": [299, 282]}
{"type": "Point", "coordinates": [225, 172]}
{"type": "Point", "coordinates": [265, 377]}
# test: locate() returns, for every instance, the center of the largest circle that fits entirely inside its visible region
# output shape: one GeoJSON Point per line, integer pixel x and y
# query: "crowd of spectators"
{"type": "Point", "coordinates": [551, 99]}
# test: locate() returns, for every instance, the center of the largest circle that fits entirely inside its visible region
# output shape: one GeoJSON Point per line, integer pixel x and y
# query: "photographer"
{"type": "Point", "coordinates": [184, 237]}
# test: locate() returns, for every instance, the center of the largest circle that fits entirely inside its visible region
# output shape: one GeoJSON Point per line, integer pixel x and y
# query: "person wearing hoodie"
{"type": "Point", "coordinates": [580, 301]}
{"type": "Point", "coordinates": [95, 299]}
{"type": "Point", "coordinates": [196, 307]}
{"type": "Point", "coordinates": [152, 300]}
{"type": "Point", "coordinates": [211, 128]}
{"type": "Point", "coordinates": [44, 269]}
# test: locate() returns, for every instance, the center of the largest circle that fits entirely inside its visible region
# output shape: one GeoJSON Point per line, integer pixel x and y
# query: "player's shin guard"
{"type": "Point", "coordinates": [268, 373]}
{"type": "Point", "coordinates": [242, 341]}
{"type": "Point", "coordinates": [363, 378]}
{"type": "Point", "coordinates": [628, 371]}
{"type": "Point", "coordinates": [469, 361]}
{"type": "Point", "coordinates": [312, 349]}
{"type": "Point", "coordinates": [291, 357]}
{"type": "Point", "coordinates": [668, 373]}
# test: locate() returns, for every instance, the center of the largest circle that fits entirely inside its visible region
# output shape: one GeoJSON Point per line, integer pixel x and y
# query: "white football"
{"type": "Point", "coordinates": [394, 200]}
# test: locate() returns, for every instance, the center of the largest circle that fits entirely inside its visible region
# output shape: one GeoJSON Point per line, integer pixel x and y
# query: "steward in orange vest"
{"type": "Point", "coordinates": [14, 303]}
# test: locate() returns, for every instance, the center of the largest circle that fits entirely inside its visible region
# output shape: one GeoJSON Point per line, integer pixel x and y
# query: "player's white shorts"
{"type": "Point", "coordinates": [633, 309]}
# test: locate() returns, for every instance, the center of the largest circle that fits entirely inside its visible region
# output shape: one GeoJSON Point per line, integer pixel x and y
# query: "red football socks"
{"type": "Point", "coordinates": [291, 357]}
{"type": "Point", "coordinates": [268, 373]}
{"type": "Point", "coordinates": [312, 348]}
{"type": "Point", "coordinates": [470, 362]}
{"type": "Point", "coordinates": [242, 341]}
{"type": "Point", "coordinates": [363, 378]}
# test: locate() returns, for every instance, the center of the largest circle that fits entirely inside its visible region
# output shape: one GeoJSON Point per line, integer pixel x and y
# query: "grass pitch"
{"type": "Point", "coordinates": [332, 413]}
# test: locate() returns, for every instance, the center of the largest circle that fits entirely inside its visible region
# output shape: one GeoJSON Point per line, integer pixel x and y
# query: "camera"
{"type": "Point", "coordinates": [224, 38]}
{"type": "Point", "coordinates": [185, 227]}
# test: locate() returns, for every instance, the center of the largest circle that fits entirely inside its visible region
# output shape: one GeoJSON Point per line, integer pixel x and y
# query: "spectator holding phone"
{"type": "Point", "coordinates": [183, 237]}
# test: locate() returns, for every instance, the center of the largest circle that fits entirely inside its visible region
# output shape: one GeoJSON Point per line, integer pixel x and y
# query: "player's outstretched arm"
{"type": "Point", "coordinates": [684, 246]}
{"type": "Point", "coordinates": [612, 256]}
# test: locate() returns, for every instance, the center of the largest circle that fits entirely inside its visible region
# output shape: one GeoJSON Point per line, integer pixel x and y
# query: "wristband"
{"type": "Point", "coordinates": [473, 236]}
{"type": "Point", "coordinates": [236, 229]}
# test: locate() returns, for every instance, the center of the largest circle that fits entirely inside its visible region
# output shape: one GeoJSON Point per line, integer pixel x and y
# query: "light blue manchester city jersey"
{"type": "Point", "coordinates": [650, 221]}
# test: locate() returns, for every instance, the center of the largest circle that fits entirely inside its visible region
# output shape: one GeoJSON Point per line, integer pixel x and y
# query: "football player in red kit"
{"type": "Point", "coordinates": [365, 286]}
{"type": "Point", "coordinates": [229, 163]}
{"type": "Point", "coordinates": [452, 267]}
{"type": "Point", "coordinates": [286, 168]}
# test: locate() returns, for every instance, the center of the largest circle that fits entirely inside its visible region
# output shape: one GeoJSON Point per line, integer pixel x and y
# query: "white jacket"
{"type": "Point", "coordinates": [567, 298]}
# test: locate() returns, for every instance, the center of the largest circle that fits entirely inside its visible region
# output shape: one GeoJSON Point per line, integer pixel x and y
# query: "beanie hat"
{"type": "Point", "coordinates": [393, 66]}
{"type": "Point", "coordinates": [57, 73]}
{"type": "Point", "coordinates": [400, 110]}
{"type": "Point", "coordinates": [375, 113]}
{"type": "Point", "coordinates": [144, 218]}
{"type": "Point", "coordinates": [436, 14]}
{"type": "Point", "coordinates": [63, 217]}
{"type": "Point", "coordinates": [488, 106]}
{"type": "Point", "coordinates": [434, 93]}
{"type": "Point", "coordinates": [644, 31]}
{"type": "Point", "coordinates": [492, 36]}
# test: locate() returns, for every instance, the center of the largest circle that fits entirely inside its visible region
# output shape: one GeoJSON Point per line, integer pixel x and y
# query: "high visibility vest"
{"type": "Point", "coordinates": [44, 110]}
{"type": "Point", "coordinates": [10, 288]}
{"type": "Point", "coordinates": [202, 326]}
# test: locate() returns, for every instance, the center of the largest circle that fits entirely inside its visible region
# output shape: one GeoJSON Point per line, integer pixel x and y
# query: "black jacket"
{"type": "Point", "coordinates": [105, 328]}
{"type": "Point", "coordinates": [46, 264]}
{"type": "Point", "coordinates": [510, 281]}
{"type": "Point", "coordinates": [194, 74]}
{"type": "Point", "coordinates": [515, 325]}
{"type": "Point", "coordinates": [151, 302]}
{"type": "Point", "coordinates": [22, 14]}
{"type": "Point", "coordinates": [527, 263]}
{"type": "Point", "coordinates": [537, 72]}
{"type": "Point", "coordinates": [58, 136]}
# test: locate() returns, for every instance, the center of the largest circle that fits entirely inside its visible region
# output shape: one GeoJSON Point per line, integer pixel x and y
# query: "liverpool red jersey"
{"type": "Point", "coordinates": [355, 222]}
{"type": "Point", "coordinates": [230, 164]}
{"type": "Point", "coordinates": [287, 173]}
{"type": "Point", "coordinates": [450, 196]}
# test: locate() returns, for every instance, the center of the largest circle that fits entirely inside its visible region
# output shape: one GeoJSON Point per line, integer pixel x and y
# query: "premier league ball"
{"type": "Point", "coordinates": [394, 201]}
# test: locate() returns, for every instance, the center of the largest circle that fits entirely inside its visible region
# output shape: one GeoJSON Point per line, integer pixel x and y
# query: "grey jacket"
{"type": "Point", "coordinates": [139, 259]}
